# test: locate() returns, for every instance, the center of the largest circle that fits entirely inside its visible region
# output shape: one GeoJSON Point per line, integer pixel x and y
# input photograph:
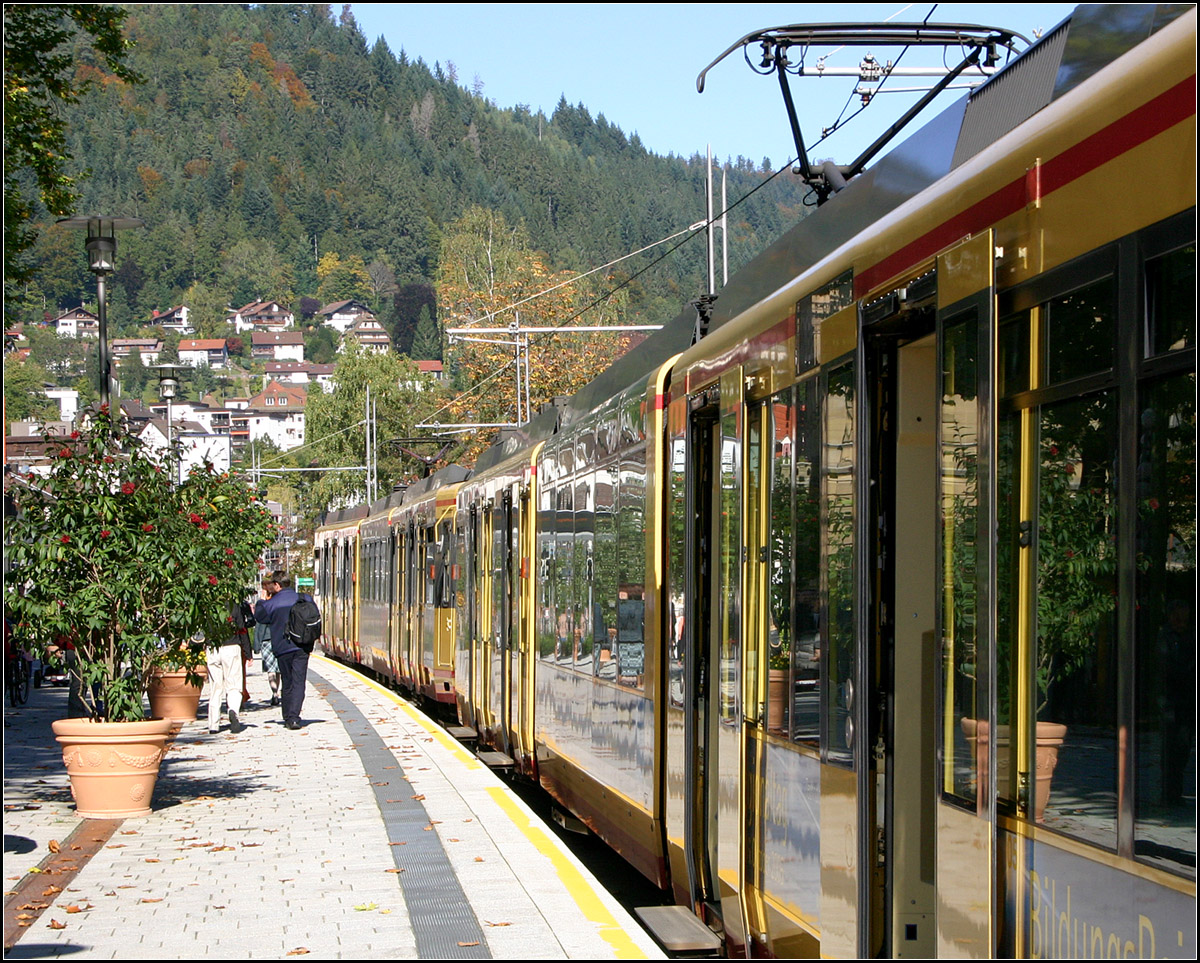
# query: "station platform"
{"type": "Point", "coordinates": [369, 832]}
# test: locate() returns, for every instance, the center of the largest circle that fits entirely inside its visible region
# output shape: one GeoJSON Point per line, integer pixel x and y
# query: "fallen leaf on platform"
{"type": "Point", "coordinates": [397, 844]}
{"type": "Point", "coordinates": [479, 859]}
{"type": "Point", "coordinates": [298, 951]}
{"type": "Point", "coordinates": [33, 869]}
{"type": "Point", "coordinates": [115, 846]}
{"type": "Point", "coordinates": [53, 846]}
{"type": "Point", "coordinates": [364, 907]}
{"type": "Point", "coordinates": [151, 860]}
{"type": "Point", "coordinates": [490, 923]}
{"type": "Point", "coordinates": [51, 890]}
{"type": "Point", "coordinates": [221, 849]}
{"type": "Point", "coordinates": [250, 845]}
{"type": "Point", "coordinates": [73, 908]}
{"type": "Point", "coordinates": [379, 784]}
{"type": "Point", "coordinates": [56, 925]}
{"type": "Point", "coordinates": [471, 943]}
{"type": "Point", "coordinates": [25, 916]}
{"type": "Point", "coordinates": [75, 846]}
{"type": "Point", "coordinates": [391, 767]}
{"type": "Point", "coordinates": [23, 923]}
{"type": "Point", "coordinates": [418, 796]}
{"type": "Point", "coordinates": [129, 832]}
{"type": "Point", "coordinates": [151, 899]}
{"type": "Point", "coordinates": [394, 870]}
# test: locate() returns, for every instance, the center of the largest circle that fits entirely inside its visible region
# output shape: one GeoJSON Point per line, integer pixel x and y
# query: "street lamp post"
{"type": "Point", "coordinates": [168, 388]}
{"type": "Point", "coordinates": [101, 247]}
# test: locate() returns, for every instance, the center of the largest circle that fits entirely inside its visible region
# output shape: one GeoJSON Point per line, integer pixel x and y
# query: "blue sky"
{"type": "Point", "coordinates": [637, 64]}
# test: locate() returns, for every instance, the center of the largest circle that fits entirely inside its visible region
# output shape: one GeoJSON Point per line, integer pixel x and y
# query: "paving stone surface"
{"type": "Point", "coordinates": [271, 843]}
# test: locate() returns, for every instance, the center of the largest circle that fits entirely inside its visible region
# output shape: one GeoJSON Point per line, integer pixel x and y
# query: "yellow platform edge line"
{"type": "Point", "coordinates": [448, 743]}
{"type": "Point", "coordinates": [582, 892]}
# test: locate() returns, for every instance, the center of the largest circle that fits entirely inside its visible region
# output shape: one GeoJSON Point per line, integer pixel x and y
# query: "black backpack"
{"type": "Point", "coordinates": [243, 617]}
{"type": "Point", "coordinates": [304, 623]}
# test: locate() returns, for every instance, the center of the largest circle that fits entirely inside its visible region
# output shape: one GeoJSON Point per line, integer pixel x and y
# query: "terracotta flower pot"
{"type": "Point", "coordinates": [113, 765]}
{"type": "Point", "coordinates": [1049, 737]}
{"type": "Point", "coordinates": [172, 697]}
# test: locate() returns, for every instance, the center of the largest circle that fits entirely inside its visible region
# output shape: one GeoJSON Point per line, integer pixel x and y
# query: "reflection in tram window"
{"type": "Point", "coordinates": [838, 480]}
{"type": "Point", "coordinates": [676, 574]}
{"type": "Point", "coordinates": [967, 744]}
{"type": "Point", "coordinates": [1171, 301]}
{"type": "Point", "coordinates": [1075, 662]}
{"type": "Point", "coordinates": [1165, 818]}
{"type": "Point", "coordinates": [730, 569]}
{"type": "Point", "coordinates": [1080, 332]}
{"type": "Point", "coordinates": [629, 651]}
{"type": "Point", "coordinates": [793, 628]}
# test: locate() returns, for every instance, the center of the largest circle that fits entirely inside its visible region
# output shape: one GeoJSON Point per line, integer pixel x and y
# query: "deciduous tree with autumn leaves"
{"type": "Point", "coordinates": [489, 276]}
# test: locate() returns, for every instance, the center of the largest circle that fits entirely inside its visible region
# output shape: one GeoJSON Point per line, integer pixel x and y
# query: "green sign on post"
{"type": "Point", "coordinates": [304, 582]}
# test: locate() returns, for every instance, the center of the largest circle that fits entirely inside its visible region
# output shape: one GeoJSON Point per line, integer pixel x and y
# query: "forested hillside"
{"type": "Point", "coordinates": [275, 152]}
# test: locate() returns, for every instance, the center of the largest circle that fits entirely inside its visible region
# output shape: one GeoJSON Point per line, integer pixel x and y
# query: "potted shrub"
{"type": "Point", "coordinates": [109, 553]}
{"type": "Point", "coordinates": [176, 680]}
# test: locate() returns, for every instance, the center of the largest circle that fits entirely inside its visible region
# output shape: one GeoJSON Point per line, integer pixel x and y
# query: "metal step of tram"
{"type": "Point", "coordinates": [679, 931]}
{"type": "Point", "coordinates": [495, 760]}
{"type": "Point", "coordinates": [463, 733]}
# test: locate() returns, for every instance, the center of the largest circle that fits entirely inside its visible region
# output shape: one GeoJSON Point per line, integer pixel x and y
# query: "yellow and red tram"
{"type": "Point", "coordinates": [865, 623]}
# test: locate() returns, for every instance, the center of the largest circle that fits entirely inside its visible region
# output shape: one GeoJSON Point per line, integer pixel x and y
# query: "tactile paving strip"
{"type": "Point", "coordinates": [442, 919]}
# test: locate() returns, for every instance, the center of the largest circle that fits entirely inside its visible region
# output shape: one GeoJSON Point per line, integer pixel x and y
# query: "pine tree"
{"type": "Point", "coordinates": [427, 343]}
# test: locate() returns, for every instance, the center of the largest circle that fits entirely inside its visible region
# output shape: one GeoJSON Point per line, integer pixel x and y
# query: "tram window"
{"type": "Point", "coordinates": [837, 512]}
{"type": "Point", "coordinates": [1075, 658]}
{"type": "Point", "coordinates": [1165, 816]}
{"type": "Point", "coordinates": [564, 580]}
{"type": "Point", "coordinates": [1171, 301]}
{"type": "Point", "coordinates": [963, 647]}
{"type": "Point", "coordinates": [546, 562]}
{"type": "Point", "coordinates": [729, 562]}
{"type": "Point", "coordinates": [631, 567]}
{"type": "Point", "coordinates": [676, 571]}
{"type": "Point", "coordinates": [1081, 332]}
{"type": "Point", "coordinates": [805, 618]}
{"type": "Point", "coordinates": [781, 532]}
{"type": "Point", "coordinates": [604, 626]}
{"type": "Point", "coordinates": [1013, 347]}
{"type": "Point", "coordinates": [585, 569]}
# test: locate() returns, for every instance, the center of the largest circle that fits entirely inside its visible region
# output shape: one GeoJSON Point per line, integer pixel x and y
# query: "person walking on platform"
{"type": "Point", "coordinates": [262, 646]}
{"type": "Point", "coordinates": [293, 660]}
{"type": "Point", "coordinates": [224, 669]}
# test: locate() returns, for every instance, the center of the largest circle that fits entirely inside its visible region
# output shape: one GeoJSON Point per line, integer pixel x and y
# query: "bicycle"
{"type": "Point", "coordinates": [17, 680]}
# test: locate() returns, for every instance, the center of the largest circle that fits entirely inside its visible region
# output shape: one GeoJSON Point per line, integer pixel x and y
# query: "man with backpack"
{"type": "Point", "coordinates": [292, 639]}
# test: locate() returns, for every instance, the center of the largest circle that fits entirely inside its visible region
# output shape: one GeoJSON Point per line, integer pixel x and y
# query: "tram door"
{"type": "Point", "coordinates": [713, 656]}
{"type": "Point", "coordinates": [965, 808]}
{"type": "Point", "coordinates": [499, 628]}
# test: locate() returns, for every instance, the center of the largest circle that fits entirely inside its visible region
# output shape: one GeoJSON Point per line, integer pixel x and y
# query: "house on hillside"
{"type": "Point", "coordinates": [322, 374]}
{"type": "Point", "coordinates": [277, 346]}
{"type": "Point", "coordinates": [261, 316]}
{"type": "Point", "coordinates": [67, 400]}
{"type": "Point", "coordinates": [120, 349]}
{"type": "Point", "coordinates": [289, 372]}
{"type": "Point", "coordinates": [77, 323]}
{"type": "Point", "coordinates": [176, 319]}
{"type": "Point", "coordinates": [370, 334]}
{"type": "Point", "coordinates": [276, 414]}
{"type": "Point", "coordinates": [342, 315]}
{"type": "Point", "coordinates": [197, 352]}
{"type": "Point", "coordinates": [432, 369]}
